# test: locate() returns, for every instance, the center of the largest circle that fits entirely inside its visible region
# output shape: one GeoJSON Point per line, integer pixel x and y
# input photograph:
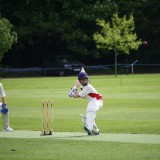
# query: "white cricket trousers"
{"type": "Point", "coordinates": [5, 118]}
{"type": "Point", "coordinates": [90, 119]}
{"type": "Point", "coordinates": [91, 111]}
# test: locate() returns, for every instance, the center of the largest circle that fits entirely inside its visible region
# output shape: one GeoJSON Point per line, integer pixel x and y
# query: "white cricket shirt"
{"type": "Point", "coordinates": [94, 98]}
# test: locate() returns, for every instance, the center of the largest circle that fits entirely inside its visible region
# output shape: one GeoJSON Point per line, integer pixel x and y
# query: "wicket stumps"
{"type": "Point", "coordinates": [47, 118]}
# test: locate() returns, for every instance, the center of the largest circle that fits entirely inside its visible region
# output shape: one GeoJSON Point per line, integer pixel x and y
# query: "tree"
{"type": "Point", "coordinates": [117, 36]}
{"type": "Point", "coordinates": [53, 27]}
{"type": "Point", "coordinates": [7, 36]}
{"type": "Point", "coordinates": [147, 27]}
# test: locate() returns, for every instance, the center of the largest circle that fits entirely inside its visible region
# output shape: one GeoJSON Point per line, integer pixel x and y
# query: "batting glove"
{"type": "Point", "coordinates": [4, 109]}
{"type": "Point", "coordinates": [70, 94]}
{"type": "Point", "coordinates": [74, 90]}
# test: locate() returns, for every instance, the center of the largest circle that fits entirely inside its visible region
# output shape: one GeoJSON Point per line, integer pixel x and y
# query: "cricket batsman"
{"type": "Point", "coordinates": [4, 110]}
{"type": "Point", "coordinates": [94, 99]}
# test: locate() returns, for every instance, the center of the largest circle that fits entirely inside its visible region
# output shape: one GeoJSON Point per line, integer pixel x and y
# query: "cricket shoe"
{"type": "Point", "coordinates": [95, 130]}
{"type": "Point", "coordinates": [8, 129]}
{"type": "Point", "coordinates": [95, 133]}
{"type": "Point", "coordinates": [89, 132]}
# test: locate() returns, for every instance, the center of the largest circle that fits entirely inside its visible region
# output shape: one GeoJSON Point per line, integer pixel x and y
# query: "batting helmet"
{"type": "Point", "coordinates": [82, 75]}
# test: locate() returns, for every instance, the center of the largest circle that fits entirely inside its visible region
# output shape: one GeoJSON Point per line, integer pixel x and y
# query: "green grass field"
{"type": "Point", "coordinates": [131, 105]}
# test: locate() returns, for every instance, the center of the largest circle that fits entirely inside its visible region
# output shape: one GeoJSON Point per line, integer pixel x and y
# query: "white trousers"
{"type": "Point", "coordinates": [90, 119]}
{"type": "Point", "coordinates": [5, 118]}
{"type": "Point", "coordinates": [92, 108]}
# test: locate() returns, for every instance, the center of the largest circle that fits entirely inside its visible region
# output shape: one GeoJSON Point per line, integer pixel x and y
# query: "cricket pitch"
{"type": "Point", "coordinates": [128, 138]}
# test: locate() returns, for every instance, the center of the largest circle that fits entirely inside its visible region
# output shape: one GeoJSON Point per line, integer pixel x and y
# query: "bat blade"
{"type": "Point", "coordinates": [76, 84]}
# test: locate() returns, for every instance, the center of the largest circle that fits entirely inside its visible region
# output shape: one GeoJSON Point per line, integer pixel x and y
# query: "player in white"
{"type": "Point", "coordinates": [95, 102]}
{"type": "Point", "coordinates": [4, 110]}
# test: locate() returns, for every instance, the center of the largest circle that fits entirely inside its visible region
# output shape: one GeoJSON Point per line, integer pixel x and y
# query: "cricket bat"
{"type": "Point", "coordinates": [76, 84]}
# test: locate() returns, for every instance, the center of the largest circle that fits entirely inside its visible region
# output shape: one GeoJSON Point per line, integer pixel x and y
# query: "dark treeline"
{"type": "Point", "coordinates": [66, 27]}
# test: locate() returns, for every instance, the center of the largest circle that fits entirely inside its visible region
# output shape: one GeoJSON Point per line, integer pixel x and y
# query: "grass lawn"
{"type": "Point", "coordinates": [131, 105]}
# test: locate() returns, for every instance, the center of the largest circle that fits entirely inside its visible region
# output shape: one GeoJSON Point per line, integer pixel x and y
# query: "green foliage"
{"type": "Point", "coordinates": [117, 35]}
{"type": "Point", "coordinates": [66, 26]}
{"type": "Point", "coordinates": [58, 23]}
{"type": "Point", "coordinates": [7, 36]}
{"type": "Point", "coordinates": [79, 24]}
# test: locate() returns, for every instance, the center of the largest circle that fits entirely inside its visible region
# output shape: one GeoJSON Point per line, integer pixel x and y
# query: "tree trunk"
{"type": "Point", "coordinates": [115, 63]}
